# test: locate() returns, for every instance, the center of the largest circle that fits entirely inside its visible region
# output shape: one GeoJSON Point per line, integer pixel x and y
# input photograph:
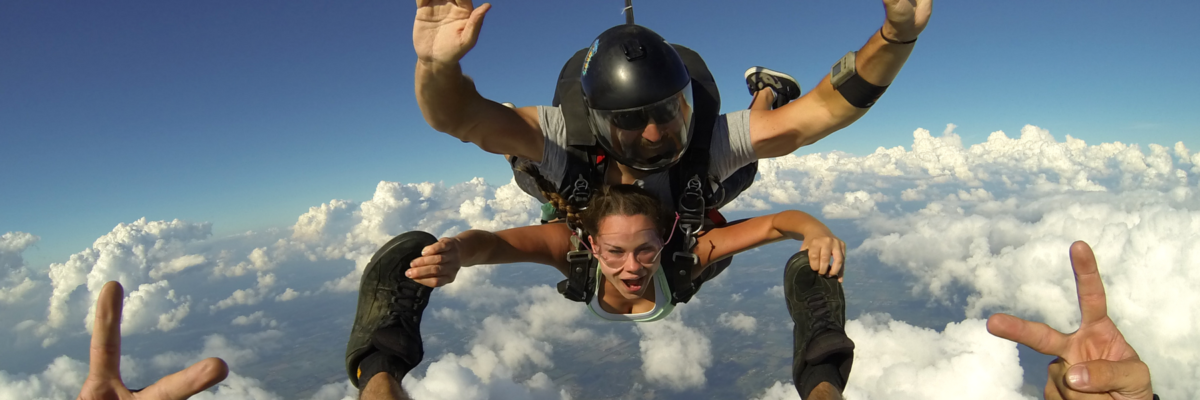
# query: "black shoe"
{"type": "Point", "coordinates": [786, 88]}
{"type": "Point", "coordinates": [389, 307]}
{"type": "Point", "coordinates": [818, 308]}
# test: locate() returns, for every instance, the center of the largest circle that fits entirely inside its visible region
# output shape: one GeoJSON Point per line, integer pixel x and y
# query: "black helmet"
{"type": "Point", "coordinates": [631, 78]}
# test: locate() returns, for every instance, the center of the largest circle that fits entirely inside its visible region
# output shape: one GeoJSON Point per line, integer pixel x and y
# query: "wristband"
{"type": "Point", "coordinates": [886, 39]}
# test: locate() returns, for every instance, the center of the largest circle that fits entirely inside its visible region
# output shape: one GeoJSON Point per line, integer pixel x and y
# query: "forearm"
{"type": "Point", "coordinates": [524, 244]}
{"type": "Point", "coordinates": [445, 96]}
{"type": "Point", "coordinates": [477, 247]}
{"type": "Point", "coordinates": [877, 62]}
{"type": "Point", "coordinates": [798, 225]}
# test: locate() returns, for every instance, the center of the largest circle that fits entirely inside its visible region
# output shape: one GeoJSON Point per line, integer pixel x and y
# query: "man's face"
{"type": "Point", "coordinates": [647, 137]}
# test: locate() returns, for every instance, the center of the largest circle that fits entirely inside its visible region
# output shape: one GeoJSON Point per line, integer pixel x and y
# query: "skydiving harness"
{"type": "Point", "coordinates": [697, 194]}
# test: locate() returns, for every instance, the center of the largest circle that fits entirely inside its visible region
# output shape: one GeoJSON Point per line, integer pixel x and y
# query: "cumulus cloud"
{"type": "Point", "coordinates": [258, 317]}
{"type": "Point", "coordinates": [127, 255]}
{"type": "Point", "coordinates": [288, 294]}
{"type": "Point", "coordinates": [14, 275]}
{"type": "Point", "coordinates": [894, 360]}
{"type": "Point", "coordinates": [354, 231]}
{"type": "Point", "coordinates": [674, 354]}
{"type": "Point", "coordinates": [780, 391]}
{"type": "Point", "coordinates": [984, 227]}
{"type": "Point", "coordinates": [248, 296]}
{"type": "Point", "coordinates": [738, 321]}
{"type": "Point", "coordinates": [453, 378]}
{"type": "Point", "coordinates": [61, 380]}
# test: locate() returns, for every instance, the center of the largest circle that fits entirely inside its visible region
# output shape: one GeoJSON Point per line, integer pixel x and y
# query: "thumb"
{"type": "Point", "coordinates": [474, 24]}
{"type": "Point", "coordinates": [1129, 377]}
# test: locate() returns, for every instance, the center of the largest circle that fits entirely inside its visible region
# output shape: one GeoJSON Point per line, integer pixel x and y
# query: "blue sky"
{"type": "Point", "coordinates": [246, 114]}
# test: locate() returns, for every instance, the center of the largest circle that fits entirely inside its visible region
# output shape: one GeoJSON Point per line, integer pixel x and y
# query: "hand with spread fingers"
{"type": "Point", "coordinates": [438, 264]}
{"type": "Point", "coordinates": [444, 31]}
{"type": "Point", "coordinates": [104, 373]}
{"type": "Point", "coordinates": [906, 19]}
{"type": "Point", "coordinates": [1094, 362]}
{"type": "Point", "coordinates": [826, 254]}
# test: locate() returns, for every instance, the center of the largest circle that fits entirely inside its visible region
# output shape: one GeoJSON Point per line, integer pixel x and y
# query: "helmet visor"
{"type": "Point", "coordinates": [647, 137]}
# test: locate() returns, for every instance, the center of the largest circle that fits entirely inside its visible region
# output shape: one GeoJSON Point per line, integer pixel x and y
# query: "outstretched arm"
{"type": "Point", "coordinates": [824, 110]}
{"type": "Point", "coordinates": [826, 252]}
{"type": "Point", "coordinates": [443, 32]}
{"type": "Point", "coordinates": [543, 244]}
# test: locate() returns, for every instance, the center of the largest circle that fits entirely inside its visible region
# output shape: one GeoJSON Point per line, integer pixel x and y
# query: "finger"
{"type": "Point", "coordinates": [1092, 304]}
{"type": "Point", "coordinates": [826, 254]}
{"type": "Point", "coordinates": [475, 24]}
{"type": "Point", "coordinates": [1128, 377]}
{"type": "Point", "coordinates": [435, 281]}
{"type": "Point", "coordinates": [427, 261]}
{"type": "Point", "coordinates": [814, 261]}
{"type": "Point", "coordinates": [424, 272]}
{"type": "Point", "coordinates": [105, 350]}
{"type": "Point", "coordinates": [184, 384]}
{"type": "Point", "coordinates": [1054, 373]}
{"type": "Point", "coordinates": [839, 258]}
{"type": "Point", "coordinates": [1038, 336]}
{"type": "Point", "coordinates": [437, 247]}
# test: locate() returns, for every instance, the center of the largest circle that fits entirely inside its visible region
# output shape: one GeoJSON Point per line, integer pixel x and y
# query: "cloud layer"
{"type": "Point", "coordinates": [983, 228]}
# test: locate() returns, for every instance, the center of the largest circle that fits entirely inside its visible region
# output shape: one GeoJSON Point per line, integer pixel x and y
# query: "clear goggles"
{"type": "Point", "coordinates": [647, 137]}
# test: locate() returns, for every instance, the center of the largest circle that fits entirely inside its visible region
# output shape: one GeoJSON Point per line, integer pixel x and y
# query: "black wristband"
{"type": "Point", "coordinates": [860, 93]}
{"type": "Point", "coordinates": [886, 39]}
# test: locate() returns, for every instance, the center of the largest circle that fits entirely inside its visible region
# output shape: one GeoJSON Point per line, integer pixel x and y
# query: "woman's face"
{"type": "Point", "coordinates": [627, 247]}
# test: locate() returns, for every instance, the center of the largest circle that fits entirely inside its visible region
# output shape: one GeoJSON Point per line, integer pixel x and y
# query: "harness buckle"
{"type": "Point", "coordinates": [695, 259]}
{"type": "Point", "coordinates": [575, 256]}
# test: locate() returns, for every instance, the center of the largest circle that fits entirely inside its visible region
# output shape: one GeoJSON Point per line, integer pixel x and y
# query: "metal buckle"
{"type": "Point", "coordinates": [574, 256]}
{"type": "Point", "coordinates": [695, 258]}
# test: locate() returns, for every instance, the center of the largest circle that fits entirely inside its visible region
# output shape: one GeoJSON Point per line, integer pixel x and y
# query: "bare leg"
{"type": "Point", "coordinates": [383, 387]}
{"type": "Point", "coordinates": [824, 391]}
{"type": "Point", "coordinates": [762, 100]}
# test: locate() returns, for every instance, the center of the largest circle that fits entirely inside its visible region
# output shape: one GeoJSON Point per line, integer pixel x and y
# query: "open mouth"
{"type": "Point", "coordinates": [635, 284]}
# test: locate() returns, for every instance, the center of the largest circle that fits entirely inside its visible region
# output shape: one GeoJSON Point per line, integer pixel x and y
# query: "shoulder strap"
{"type": "Point", "coordinates": [689, 179]}
{"type": "Point", "coordinates": [584, 174]}
{"type": "Point", "coordinates": [580, 284]}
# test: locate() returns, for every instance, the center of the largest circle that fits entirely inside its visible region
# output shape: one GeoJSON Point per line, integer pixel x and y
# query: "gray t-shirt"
{"type": "Point", "coordinates": [730, 149]}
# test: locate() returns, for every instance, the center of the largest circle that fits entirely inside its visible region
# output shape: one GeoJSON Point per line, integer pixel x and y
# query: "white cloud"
{"type": "Point", "coordinates": [258, 317]}
{"type": "Point", "coordinates": [989, 233]}
{"type": "Point", "coordinates": [853, 205]}
{"type": "Point", "coordinates": [61, 380]}
{"type": "Point", "coordinates": [775, 291]}
{"type": "Point", "coordinates": [780, 391]}
{"type": "Point", "coordinates": [451, 377]}
{"type": "Point", "coordinates": [236, 352]}
{"type": "Point", "coordinates": [126, 255]}
{"type": "Point", "coordinates": [894, 360]}
{"type": "Point", "coordinates": [152, 306]}
{"type": "Point", "coordinates": [237, 387]}
{"type": "Point", "coordinates": [738, 321]}
{"type": "Point", "coordinates": [674, 354]}
{"type": "Point", "coordinates": [15, 283]}
{"type": "Point", "coordinates": [177, 265]}
{"type": "Point", "coordinates": [249, 296]}
{"type": "Point", "coordinates": [288, 295]}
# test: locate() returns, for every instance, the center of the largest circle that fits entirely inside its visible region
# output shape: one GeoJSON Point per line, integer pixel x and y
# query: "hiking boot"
{"type": "Point", "coordinates": [818, 308]}
{"type": "Point", "coordinates": [786, 88]}
{"type": "Point", "coordinates": [390, 304]}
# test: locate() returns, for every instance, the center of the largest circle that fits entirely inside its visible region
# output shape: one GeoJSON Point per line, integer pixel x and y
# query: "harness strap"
{"type": "Point", "coordinates": [581, 274]}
